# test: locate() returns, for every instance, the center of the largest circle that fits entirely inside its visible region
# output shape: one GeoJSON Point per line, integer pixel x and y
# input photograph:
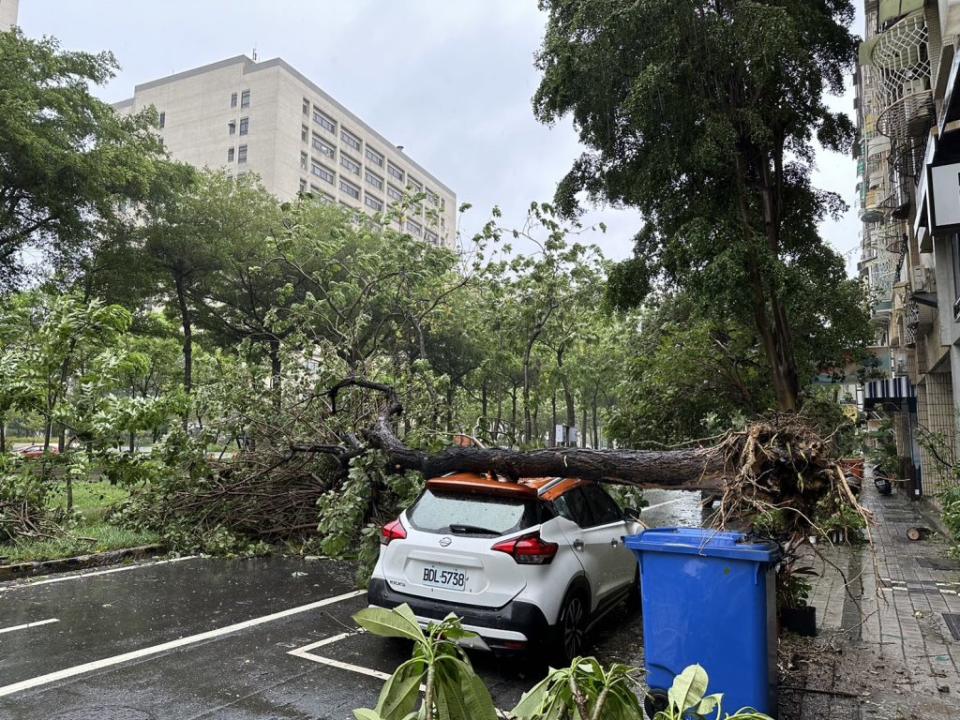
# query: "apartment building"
{"type": "Point", "coordinates": [908, 110]}
{"type": "Point", "coordinates": [8, 14]}
{"type": "Point", "coordinates": [267, 118]}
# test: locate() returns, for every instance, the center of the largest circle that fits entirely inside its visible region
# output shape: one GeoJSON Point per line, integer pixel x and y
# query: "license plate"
{"type": "Point", "coordinates": [449, 578]}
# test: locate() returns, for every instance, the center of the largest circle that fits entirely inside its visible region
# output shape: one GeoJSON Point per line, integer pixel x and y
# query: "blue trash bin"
{"type": "Point", "coordinates": [709, 597]}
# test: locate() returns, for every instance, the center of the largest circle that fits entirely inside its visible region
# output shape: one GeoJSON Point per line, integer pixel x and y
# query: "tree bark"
{"type": "Point", "coordinates": [686, 469]}
{"type": "Point", "coordinates": [187, 324]}
{"type": "Point", "coordinates": [275, 372]}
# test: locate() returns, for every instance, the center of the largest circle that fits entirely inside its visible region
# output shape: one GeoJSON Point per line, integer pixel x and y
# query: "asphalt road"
{"type": "Point", "coordinates": [216, 638]}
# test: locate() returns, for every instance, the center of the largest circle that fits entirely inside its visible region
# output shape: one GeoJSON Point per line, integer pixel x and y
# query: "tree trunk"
{"type": "Point", "coordinates": [583, 426]}
{"type": "Point", "coordinates": [553, 418]}
{"type": "Point", "coordinates": [687, 469]}
{"type": "Point", "coordinates": [3, 435]}
{"type": "Point", "coordinates": [596, 428]}
{"type": "Point", "coordinates": [133, 442]}
{"type": "Point", "coordinates": [186, 322]}
{"type": "Point", "coordinates": [275, 371]}
{"type": "Point", "coordinates": [482, 431]}
{"type": "Point", "coordinates": [769, 313]}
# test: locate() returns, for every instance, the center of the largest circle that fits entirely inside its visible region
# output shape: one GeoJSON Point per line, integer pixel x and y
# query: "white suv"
{"type": "Point", "coordinates": [525, 565]}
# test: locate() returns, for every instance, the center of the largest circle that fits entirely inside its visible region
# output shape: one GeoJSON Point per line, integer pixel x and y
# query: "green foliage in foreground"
{"type": "Point", "coordinates": [452, 690]}
{"type": "Point", "coordinates": [439, 683]}
{"type": "Point", "coordinates": [950, 502]}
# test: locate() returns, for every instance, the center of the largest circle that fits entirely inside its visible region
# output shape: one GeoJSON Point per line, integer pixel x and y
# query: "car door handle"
{"type": "Point", "coordinates": [578, 544]}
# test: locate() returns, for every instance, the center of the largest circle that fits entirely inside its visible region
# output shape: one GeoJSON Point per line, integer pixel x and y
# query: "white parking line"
{"type": "Point", "coordinates": [172, 645]}
{"type": "Point", "coordinates": [82, 575]}
{"type": "Point", "coordinates": [304, 653]}
{"type": "Point", "coordinates": [28, 625]}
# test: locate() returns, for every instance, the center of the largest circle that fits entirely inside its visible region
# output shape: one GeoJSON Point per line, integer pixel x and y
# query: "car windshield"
{"type": "Point", "coordinates": [463, 514]}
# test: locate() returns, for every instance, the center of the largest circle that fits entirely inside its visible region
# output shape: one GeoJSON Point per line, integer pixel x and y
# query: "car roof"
{"type": "Point", "coordinates": [547, 488]}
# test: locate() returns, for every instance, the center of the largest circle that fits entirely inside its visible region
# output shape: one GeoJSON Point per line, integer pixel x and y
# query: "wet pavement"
{"type": "Point", "coordinates": [219, 638]}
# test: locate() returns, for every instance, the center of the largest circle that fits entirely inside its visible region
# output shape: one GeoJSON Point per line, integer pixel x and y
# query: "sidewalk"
{"type": "Point", "coordinates": [885, 648]}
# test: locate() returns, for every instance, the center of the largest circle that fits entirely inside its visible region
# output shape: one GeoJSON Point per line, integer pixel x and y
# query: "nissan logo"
{"type": "Point", "coordinates": [445, 542]}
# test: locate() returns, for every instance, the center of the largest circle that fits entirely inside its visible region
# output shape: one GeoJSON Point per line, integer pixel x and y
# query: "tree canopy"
{"type": "Point", "coordinates": [703, 114]}
{"type": "Point", "coordinates": [67, 159]}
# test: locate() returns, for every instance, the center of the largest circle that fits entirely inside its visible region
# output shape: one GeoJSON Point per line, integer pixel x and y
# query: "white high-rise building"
{"type": "Point", "coordinates": [8, 14]}
{"type": "Point", "coordinates": [267, 118]}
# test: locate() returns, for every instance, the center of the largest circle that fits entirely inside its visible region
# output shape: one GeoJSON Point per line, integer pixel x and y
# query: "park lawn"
{"type": "Point", "coordinates": [93, 533]}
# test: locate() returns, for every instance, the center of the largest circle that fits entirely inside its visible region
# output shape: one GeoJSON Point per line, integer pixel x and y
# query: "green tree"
{"type": "Point", "coordinates": [702, 114]}
{"type": "Point", "coordinates": [67, 159]}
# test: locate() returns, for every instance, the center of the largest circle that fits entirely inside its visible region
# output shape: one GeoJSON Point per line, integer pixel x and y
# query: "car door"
{"type": "Point", "coordinates": [592, 538]}
{"type": "Point", "coordinates": [611, 523]}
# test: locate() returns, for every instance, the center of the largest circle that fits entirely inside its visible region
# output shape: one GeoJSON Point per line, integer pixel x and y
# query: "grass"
{"type": "Point", "coordinates": [93, 500]}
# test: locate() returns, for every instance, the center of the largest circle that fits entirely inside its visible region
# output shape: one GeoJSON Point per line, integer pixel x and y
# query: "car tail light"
{"type": "Point", "coordinates": [528, 549]}
{"type": "Point", "coordinates": [393, 531]}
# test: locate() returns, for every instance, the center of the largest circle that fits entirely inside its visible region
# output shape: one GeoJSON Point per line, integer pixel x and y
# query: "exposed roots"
{"type": "Point", "coordinates": [782, 467]}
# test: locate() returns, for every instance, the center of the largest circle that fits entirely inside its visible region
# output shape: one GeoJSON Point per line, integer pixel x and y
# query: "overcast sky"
{"type": "Point", "coordinates": [451, 80]}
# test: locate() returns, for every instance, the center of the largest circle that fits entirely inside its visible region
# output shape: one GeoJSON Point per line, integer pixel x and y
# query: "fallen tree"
{"type": "Point", "coordinates": [778, 475]}
{"type": "Point", "coordinates": [779, 464]}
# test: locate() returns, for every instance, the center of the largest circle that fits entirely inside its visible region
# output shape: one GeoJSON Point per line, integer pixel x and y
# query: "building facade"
{"type": "Point", "coordinates": [908, 111]}
{"type": "Point", "coordinates": [243, 116]}
{"type": "Point", "coordinates": [9, 10]}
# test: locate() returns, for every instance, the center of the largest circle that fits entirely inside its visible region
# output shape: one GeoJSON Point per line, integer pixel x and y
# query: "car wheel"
{"type": "Point", "coordinates": [571, 628]}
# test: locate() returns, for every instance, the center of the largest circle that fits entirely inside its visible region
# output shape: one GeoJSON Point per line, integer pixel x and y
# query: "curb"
{"type": "Point", "coordinates": [80, 562]}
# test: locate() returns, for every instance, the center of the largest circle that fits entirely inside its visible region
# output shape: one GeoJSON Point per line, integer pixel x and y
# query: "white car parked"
{"type": "Point", "coordinates": [526, 565]}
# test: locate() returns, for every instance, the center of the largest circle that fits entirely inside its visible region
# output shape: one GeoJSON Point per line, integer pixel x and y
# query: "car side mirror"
{"type": "Point", "coordinates": [631, 513]}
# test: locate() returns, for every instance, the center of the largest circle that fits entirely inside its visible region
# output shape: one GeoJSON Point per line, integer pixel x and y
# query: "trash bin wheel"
{"type": "Point", "coordinates": [655, 701]}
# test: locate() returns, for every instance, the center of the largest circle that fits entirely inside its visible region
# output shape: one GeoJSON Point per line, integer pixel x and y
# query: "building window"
{"type": "Point", "coordinates": [394, 193]}
{"type": "Point", "coordinates": [374, 179]}
{"type": "Point", "coordinates": [232, 127]}
{"type": "Point", "coordinates": [306, 106]}
{"type": "Point", "coordinates": [163, 119]}
{"type": "Point", "coordinates": [325, 197]}
{"type": "Point", "coordinates": [431, 237]}
{"type": "Point", "coordinates": [233, 100]}
{"type": "Point", "coordinates": [322, 146]}
{"type": "Point", "coordinates": [375, 157]}
{"type": "Point", "coordinates": [304, 133]}
{"type": "Point", "coordinates": [242, 154]}
{"type": "Point", "coordinates": [350, 139]}
{"type": "Point", "coordinates": [323, 172]}
{"type": "Point", "coordinates": [395, 171]}
{"type": "Point", "coordinates": [325, 121]}
{"type": "Point", "coordinates": [414, 185]}
{"type": "Point", "coordinates": [245, 99]}
{"type": "Point", "coordinates": [303, 160]}
{"type": "Point", "coordinates": [374, 203]}
{"type": "Point", "coordinates": [433, 198]}
{"type": "Point", "coordinates": [230, 155]}
{"type": "Point", "coordinates": [414, 228]}
{"type": "Point", "coordinates": [350, 164]}
{"type": "Point", "coordinates": [244, 126]}
{"type": "Point", "coordinates": [348, 188]}
{"type": "Point", "coordinates": [303, 185]}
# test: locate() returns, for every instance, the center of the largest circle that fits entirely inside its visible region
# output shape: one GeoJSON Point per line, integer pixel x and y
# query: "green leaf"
{"type": "Point", "coordinates": [366, 714]}
{"type": "Point", "coordinates": [688, 688]}
{"type": "Point", "coordinates": [399, 622]}
{"type": "Point", "coordinates": [400, 692]}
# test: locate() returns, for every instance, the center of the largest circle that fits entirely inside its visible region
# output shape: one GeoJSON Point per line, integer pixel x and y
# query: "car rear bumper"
{"type": "Point", "coordinates": [515, 626]}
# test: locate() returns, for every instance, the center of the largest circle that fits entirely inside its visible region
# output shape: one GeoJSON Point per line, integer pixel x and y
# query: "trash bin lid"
{"type": "Point", "coordinates": [705, 543]}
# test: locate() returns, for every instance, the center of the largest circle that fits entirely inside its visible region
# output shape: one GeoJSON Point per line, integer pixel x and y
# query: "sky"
{"type": "Point", "coordinates": [451, 81]}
